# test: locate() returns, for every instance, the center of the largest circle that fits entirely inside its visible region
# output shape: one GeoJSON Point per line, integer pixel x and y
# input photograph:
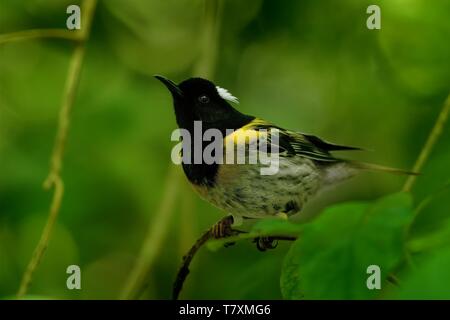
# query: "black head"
{"type": "Point", "coordinates": [198, 99]}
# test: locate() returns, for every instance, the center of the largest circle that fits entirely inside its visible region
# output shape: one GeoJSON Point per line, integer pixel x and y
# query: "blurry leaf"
{"type": "Point", "coordinates": [104, 277]}
{"type": "Point", "coordinates": [434, 183]}
{"type": "Point", "coordinates": [430, 280]}
{"type": "Point", "coordinates": [433, 240]}
{"type": "Point", "coordinates": [237, 14]}
{"type": "Point", "coordinates": [440, 234]}
{"type": "Point", "coordinates": [330, 259]}
{"type": "Point", "coordinates": [7, 259]}
{"type": "Point", "coordinates": [412, 39]}
{"type": "Point", "coordinates": [154, 36]}
{"type": "Point", "coordinates": [319, 233]}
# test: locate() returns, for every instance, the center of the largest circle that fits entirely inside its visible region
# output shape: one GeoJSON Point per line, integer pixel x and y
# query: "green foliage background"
{"type": "Point", "coordinates": [306, 65]}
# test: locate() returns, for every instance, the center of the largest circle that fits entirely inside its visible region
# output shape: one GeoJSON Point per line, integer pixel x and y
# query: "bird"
{"type": "Point", "coordinates": [306, 164]}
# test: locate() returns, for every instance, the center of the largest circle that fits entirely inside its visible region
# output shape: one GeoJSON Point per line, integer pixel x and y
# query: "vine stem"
{"type": "Point", "coordinates": [54, 177]}
{"type": "Point", "coordinates": [187, 259]}
{"type": "Point", "coordinates": [40, 34]}
{"type": "Point", "coordinates": [429, 144]}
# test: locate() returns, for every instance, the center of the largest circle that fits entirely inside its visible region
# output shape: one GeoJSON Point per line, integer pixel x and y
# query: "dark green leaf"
{"type": "Point", "coordinates": [431, 279]}
{"type": "Point", "coordinates": [330, 259]}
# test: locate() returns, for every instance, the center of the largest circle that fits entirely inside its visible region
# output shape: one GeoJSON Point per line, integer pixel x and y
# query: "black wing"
{"type": "Point", "coordinates": [294, 143]}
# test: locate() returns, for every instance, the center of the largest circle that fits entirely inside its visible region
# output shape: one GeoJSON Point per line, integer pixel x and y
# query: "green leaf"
{"type": "Point", "coordinates": [433, 211]}
{"type": "Point", "coordinates": [438, 234]}
{"type": "Point", "coordinates": [429, 241]}
{"type": "Point", "coordinates": [330, 259]}
{"type": "Point", "coordinates": [430, 280]}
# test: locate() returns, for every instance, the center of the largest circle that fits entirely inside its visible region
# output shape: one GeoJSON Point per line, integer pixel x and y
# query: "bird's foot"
{"type": "Point", "coordinates": [222, 229]}
{"type": "Point", "coordinates": [264, 243]}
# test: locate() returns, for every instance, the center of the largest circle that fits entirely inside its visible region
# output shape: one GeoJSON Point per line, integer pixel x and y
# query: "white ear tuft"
{"type": "Point", "coordinates": [225, 94]}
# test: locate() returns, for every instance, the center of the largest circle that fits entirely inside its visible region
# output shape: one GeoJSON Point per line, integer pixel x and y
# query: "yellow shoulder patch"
{"type": "Point", "coordinates": [247, 134]}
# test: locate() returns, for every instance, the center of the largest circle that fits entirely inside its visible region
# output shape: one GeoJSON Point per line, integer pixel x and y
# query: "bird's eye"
{"type": "Point", "coordinates": [203, 99]}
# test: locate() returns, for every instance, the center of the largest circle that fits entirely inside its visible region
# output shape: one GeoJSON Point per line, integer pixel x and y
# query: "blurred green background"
{"type": "Point", "coordinates": [311, 66]}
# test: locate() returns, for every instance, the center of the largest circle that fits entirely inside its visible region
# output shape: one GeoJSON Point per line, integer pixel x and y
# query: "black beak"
{"type": "Point", "coordinates": [173, 88]}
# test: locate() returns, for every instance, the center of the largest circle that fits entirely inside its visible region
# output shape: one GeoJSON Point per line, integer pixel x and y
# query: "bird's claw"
{"type": "Point", "coordinates": [222, 229]}
{"type": "Point", "coordinates": [264, 243]}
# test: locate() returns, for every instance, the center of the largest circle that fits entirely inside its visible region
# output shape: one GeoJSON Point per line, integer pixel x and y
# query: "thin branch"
{"type": "Point", "coordinates": [187, 259]}
{"type": "Point", "coordinates": [183, 272]}
{"type": "Point", "coordinates": [45, 236]}
{"type": "Point", "coordinates": [54, 178]}
{"type": "Point", "coordinates": [41, 34]}
{"type": "Point", "coordinates": [428, 147]}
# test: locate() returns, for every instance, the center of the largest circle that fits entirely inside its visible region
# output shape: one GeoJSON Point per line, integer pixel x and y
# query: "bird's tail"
{"type": "Point", "coordinates": [376, 167]}
{"type": "Point", "coordinates": [345, 169]}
